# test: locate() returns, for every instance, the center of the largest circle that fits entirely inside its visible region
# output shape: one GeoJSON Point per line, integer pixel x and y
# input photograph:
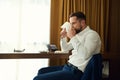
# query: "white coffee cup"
{"type": "Point", "coordinates": [66, 25]}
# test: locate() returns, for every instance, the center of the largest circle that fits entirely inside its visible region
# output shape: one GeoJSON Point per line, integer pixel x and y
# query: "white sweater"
{"type": "Point", "coordinates": [84, 45]}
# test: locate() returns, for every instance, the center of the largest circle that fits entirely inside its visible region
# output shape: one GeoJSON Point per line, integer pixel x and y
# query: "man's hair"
{"type": "Point", "coordinates": [79, 15]}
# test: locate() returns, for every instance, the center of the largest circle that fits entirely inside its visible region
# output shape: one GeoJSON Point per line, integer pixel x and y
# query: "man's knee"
{"type": "Point", "coordinates": [35, 78]}
{"type": "Point", "coordinates": [41, 78]}
{"type": "Point", "coordinates": [41, 71]}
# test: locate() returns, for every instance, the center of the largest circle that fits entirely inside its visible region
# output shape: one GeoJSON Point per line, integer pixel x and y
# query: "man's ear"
{"type": "Point", "coordinates": [83, 22]}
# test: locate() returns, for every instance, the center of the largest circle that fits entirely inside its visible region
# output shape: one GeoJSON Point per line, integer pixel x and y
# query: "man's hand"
{"type": "Point", "coordinates": [71, 33]}
{"type": "Point", "coordinates": [63, 33]}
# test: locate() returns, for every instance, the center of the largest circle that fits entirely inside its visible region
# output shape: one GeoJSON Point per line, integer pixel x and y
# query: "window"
{"type": "Point", "coordinates": [24, 24]}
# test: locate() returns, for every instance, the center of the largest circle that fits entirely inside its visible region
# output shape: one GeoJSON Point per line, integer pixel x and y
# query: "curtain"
{"type": "Point", "coordinates": [96, 11]}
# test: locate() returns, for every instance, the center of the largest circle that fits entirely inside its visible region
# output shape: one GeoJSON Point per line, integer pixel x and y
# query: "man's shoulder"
{"type": "Point", "coordinates": [91, 32]}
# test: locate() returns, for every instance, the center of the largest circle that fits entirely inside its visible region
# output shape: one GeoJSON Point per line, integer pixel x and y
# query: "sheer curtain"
{"type": "Point", "coordinates": [24, 24]}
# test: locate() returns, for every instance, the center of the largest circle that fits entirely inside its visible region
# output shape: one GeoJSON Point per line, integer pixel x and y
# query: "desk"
{"type": "Point", "coordinates": [32, 55]}
{"type": "Point", "coordinates": [47, 55]}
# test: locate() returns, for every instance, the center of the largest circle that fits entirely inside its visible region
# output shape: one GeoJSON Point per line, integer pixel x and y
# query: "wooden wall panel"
{"type": "Point", "coordinates": [114, 26]}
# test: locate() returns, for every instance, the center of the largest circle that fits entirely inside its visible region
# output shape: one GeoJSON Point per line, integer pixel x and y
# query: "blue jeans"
{"type": "Point", "coordinates": [59, 73]}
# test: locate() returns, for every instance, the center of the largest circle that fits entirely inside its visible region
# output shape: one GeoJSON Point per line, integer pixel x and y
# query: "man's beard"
{"type": "Point", "coordinates": [78, 30]}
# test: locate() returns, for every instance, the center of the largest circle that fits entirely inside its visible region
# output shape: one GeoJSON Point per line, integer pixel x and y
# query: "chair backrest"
{"type": "Point", "coordinates": [93, 70]}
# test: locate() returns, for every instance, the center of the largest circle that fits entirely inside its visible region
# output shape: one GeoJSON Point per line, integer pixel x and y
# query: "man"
{"type": "Point", "coordinates": [84, 43]}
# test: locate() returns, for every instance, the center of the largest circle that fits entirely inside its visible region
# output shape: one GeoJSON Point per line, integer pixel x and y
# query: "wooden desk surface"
{"type": "Point", "coordinates": [32, 55]}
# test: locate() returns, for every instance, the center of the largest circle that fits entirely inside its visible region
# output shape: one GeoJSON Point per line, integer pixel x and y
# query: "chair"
{"type": "Point", "coordinates": [93, 70]}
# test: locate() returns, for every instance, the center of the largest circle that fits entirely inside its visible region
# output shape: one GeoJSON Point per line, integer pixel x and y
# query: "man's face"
{"type": "Point", "coordinates": [76, 24]}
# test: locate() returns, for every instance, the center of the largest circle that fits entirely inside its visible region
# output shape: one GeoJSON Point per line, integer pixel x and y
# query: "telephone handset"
{"type": "Point", "coordinates": [52, 47]}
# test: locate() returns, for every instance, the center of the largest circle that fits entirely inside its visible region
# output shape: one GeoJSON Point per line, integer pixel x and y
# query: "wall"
{"type": "Point", "coordinates": [114, 39]}
{"type": "Point", "coordinates": [114, 26]}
